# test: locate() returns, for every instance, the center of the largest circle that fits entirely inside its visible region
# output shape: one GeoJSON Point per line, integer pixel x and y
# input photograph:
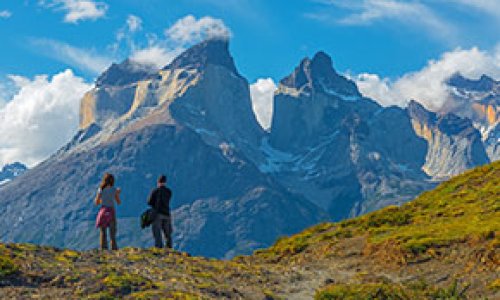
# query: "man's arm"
{"type": "Point", "coordinates": [151, 198]}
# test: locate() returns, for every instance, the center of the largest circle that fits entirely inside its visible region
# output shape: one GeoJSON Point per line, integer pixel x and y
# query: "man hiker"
{"type": "Point", "coordinates": [159, 200]}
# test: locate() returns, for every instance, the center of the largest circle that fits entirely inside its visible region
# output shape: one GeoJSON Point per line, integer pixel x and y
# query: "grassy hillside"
{"type": "Point", "coordinates": [443, 245]}
{"type": "Point", "coordinates": [464, 209]}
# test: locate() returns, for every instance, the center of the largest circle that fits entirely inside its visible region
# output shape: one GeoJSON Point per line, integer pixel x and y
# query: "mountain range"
{"type": "Point", "coordinates": [329, 154]}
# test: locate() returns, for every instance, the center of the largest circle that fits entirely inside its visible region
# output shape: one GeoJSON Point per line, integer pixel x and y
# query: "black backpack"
{"type": "Point", "coordinates": [148, 217]}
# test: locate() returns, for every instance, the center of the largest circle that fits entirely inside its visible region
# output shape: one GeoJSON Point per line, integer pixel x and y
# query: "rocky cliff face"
{"type": "Point", "coordinates": [479, 101]}
{"type": "Point", "coordinates": [200, 89]}
{"type": "Point", "coordinates": [454, 145]}
{"type": "Point", "coordinates": [345, 152]}
{"type": "Point", "coordinates": [305, 98]}
{"type": "Point", "coordinates": [113, 94]}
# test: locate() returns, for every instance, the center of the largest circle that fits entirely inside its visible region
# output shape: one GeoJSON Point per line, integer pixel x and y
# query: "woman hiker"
{"type": "Point", "coordinates": [107, 194]}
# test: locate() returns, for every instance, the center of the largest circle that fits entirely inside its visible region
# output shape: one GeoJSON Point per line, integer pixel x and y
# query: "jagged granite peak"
{"type": "Point", "coordinates": [348, 157]}
{"type": "Point", "coordinates": [483, 84]}
{"type": "Point", "coordinates": [449, 124]}
{"type": "Point", "coordinates": [312, 101]}
{"type": "Point", "coordinates": [125, 73]}
{"type": "Point", "coordinates": [213, 51]}
{"type": "Point", "coordinates": [477, 100]}
{"type": "Point", "coordinates": [200, 89]}
{"type": "Point", "coordinates": [417, 111]}
{"type": "Point", "coordinates": [318, 74]}
{"type": "Point", "coordinates": [217, 103]}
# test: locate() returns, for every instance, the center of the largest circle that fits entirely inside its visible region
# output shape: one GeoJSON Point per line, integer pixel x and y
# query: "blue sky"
{"type": "Point", "coordinates": [269, 37]}
{"type": "Point", "coordinates": [395, 50]}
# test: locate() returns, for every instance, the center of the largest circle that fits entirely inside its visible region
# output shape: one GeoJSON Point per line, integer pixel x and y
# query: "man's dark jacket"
{"type": "Point", "coordinates": [159, 199]}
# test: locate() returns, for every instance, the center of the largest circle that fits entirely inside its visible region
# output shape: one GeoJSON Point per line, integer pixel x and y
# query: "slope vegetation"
{"type": "Point", "coordinates": [443, 245]}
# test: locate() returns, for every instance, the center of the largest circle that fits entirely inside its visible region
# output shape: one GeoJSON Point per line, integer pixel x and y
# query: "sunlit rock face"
{"type": "Point", "coordinates": [454, 144]}
{"type": "Point", "coordinates": [479, 101]}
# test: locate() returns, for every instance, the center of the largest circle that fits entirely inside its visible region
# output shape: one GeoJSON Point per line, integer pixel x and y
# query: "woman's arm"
{"type": "Point", "coordinates": [98, 199]}
{"type": "Point", "coordinates": [117, 196]}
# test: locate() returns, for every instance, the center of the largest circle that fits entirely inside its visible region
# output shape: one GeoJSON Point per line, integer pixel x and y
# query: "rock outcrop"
{"type": "Point", "coordinates": [479, 101]}
{"type": "Point", "coordinates": [454, 145]}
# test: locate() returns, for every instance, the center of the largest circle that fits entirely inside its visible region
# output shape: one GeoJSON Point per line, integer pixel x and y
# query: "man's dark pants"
{"type": "Point", "coordinates": [162, 223]}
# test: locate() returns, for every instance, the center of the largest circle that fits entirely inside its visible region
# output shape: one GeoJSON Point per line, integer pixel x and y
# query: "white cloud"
{"type": "Point", "coordinates": [262, 93]}
{"type": "Point", "coordinates": [5, 14]}
{"type": "Point", "coordinates": [491, 7]}
{"type": "Point", "coordinates": [83, 59]}
{"type": "Point", "coordinates": [134, 23]}
{"type": "Point", "coordinates": [77, 10]}
{"type": "Point", "coordinates": [182, 34]}
{"type": "Point", "coordinates": [3, 95]}
{"type": "Point", "coordinates": [125, 35]}
{"type": "Point", "coordinates": [192, 30]}
{"type": "Point", "coordinates": [155, 55]}
{"type": "Point", "coordinates": [156, 51]}
{"type": "Point", "coordinates": [367, 12]}
{"type": "Point", "coordinates": [428, 85]}
{"type": "Point", "coordinates": [41, 117]}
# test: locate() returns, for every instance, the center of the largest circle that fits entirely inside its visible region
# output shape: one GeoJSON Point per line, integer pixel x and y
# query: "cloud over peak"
{"type": "Point", "coordinates": [155, 55]}
{"type": "Point", "coordinates": [192, 30]}
{"type": "Point", "coordinates": [428, 85]}
{"type": "Point", "coordinates": [183, 33]}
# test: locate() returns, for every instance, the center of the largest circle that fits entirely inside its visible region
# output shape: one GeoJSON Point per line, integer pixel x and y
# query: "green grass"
{"type": "Point", "coordinates": [384, 291]}
{"type": "Point", "coordinates": [465, 208]}
{"type": "Point", "coordinates": [7, 266]}
{"type": "Point", "coordinates": [494, 285]}
{"type": "Point", "coordinates": [124, 283]}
